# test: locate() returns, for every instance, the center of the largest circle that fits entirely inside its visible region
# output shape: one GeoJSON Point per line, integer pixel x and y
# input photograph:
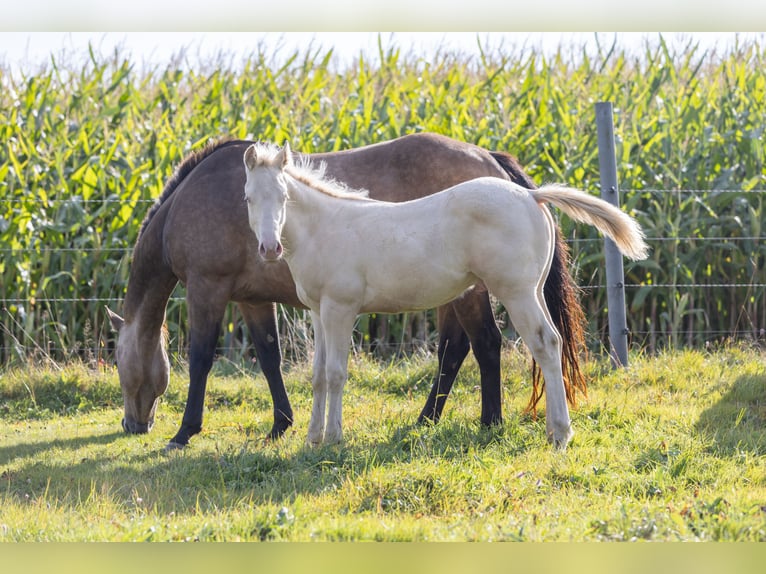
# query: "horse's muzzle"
{"type": "Point", "coordinates": [272, 253]}
{"type": "Point", "coordinates": [133, 427]}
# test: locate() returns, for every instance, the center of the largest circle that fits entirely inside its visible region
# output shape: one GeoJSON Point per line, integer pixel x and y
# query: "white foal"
{"type": "Point", "coordinates": [349, 254]}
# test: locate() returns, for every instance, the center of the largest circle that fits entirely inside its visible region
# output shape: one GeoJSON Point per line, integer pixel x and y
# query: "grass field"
{"type": "Point", "coordinates": [671, 448]}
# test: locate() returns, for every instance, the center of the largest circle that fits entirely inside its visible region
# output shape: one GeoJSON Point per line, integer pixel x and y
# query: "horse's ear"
{"type": "Point", "coordinates": [251, 158]}
{"type": "Point", "coordinates": [286, 155]}
{"type": "Point", "coordinates": [116, 321]}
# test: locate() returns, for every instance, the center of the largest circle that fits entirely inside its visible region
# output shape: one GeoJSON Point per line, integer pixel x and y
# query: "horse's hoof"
{"type": "Point", "coordinates": [427, 421]}
{"type": "Point", "coordinates": [560, 445]}
{"type": "Point", "coordinates": [314, 441]}
{"type": "Point", "coordinates": [494, 420]}
{"type": "Point", "coordinates": [174, 447]}
{"type": "Point", "coordinates": [561, 440]}
{"type": "Point", "coordinates": [332, 439]}
{"type": "Point", "coordinates": [278, 430]}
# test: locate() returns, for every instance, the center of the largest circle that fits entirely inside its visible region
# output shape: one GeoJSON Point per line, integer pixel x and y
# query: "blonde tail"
{"type": "Point", "coordinates": [608, 219]}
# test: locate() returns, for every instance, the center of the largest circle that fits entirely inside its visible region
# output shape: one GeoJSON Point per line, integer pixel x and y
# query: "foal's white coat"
{"type": "Point", "coordinates": [349, 254]}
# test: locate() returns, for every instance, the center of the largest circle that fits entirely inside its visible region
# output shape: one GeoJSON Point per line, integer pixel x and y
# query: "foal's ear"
{"type": "Point", "coordinates": [251, 158]}
{"type": "Point", "coordinates": [286, 155]}
{"type": "Point", "coordinates": [116, 321]}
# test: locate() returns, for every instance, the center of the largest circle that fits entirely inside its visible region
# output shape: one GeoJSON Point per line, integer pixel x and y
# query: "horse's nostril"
{"type": "Point", "coordinates": [270, 253]}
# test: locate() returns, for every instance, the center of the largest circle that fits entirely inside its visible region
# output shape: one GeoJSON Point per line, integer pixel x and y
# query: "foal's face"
{"type": "Point", "coordinates": [266, 198]}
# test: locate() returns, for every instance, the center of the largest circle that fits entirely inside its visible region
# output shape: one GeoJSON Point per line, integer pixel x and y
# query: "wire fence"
{"type": "Point", "coordinates": [682, 315]}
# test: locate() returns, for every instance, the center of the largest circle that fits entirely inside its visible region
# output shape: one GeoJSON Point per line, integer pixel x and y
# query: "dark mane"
{"type": "Point", "coordinates": [188, 164]}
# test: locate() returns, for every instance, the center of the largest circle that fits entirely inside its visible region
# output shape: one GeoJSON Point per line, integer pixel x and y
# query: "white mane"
{"type": "Point", "coordinates": [307, 173]}
{"type": "Point", "coordinates": [314, 176]}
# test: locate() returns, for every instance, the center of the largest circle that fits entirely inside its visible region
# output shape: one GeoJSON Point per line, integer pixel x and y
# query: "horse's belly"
{"type": "Point", "coordinates": [396, 295]}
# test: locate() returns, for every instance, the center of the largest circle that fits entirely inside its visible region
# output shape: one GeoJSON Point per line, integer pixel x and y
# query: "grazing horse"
{"type": "Point", "coordinates": [197, 233]}
{"type": "Point", "coordinates": [349, 254]}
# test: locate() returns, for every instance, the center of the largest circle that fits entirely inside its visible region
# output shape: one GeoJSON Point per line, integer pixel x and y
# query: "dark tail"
{"type": "Point", "coordinates": [563, 300]}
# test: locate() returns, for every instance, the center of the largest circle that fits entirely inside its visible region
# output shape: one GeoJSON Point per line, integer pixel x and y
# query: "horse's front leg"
{"type": "Point", "coordinates": [261, 320]}
{"type": "Point", "coordinates": [338, 324]}
{"type": "Point", "coordinates": [318, 384]}
{"type": "Point", "coordinates": [206, 306]}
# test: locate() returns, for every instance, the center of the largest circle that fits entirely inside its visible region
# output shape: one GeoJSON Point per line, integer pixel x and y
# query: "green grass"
{"type": "Point", "coordinates": [671, 448]}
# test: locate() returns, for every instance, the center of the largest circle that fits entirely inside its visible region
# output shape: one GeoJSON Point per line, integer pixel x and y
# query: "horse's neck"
{"type": "Point", "coordinates": [307, 208]}
{"type": "Point", "coordinates": [150, 284]}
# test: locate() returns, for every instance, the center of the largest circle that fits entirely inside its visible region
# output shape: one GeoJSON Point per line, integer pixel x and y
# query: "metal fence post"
{"type": "Point", "coordinates": [615, 278]}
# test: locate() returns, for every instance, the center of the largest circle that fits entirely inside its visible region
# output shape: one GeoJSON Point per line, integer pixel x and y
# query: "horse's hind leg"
{"type": "Point", "coordinates": [467, 323]}
{"type": "Point", "coordinates": [262, 323]}
{"type": "Point", "coordinates": [532, 321]}
{"type": "Point", "coordinates": [453, 349]}
{"type": "Point", "coordinates": [474, 311]}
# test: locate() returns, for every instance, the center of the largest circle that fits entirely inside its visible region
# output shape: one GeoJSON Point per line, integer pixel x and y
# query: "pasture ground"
{"type": "Point", "coordinates": [669, 449]}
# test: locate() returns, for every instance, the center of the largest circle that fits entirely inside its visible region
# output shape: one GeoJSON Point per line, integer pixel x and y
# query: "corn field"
{"type": "Point", "coordinates": [86, 147]}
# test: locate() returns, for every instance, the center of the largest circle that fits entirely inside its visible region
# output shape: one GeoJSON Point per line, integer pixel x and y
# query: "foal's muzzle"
{"type": "Point", "coordinates": [270, 253]}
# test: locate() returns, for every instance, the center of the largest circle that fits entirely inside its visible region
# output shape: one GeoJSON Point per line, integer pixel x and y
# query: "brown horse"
{"type": "Point", "coordinates": [198, 233]}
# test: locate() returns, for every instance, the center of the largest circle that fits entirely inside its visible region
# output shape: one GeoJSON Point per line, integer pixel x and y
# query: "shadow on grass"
{"type": "Point", "coordinates": [248, 473]}
{"type": "Point", "coordinates": [32, 449]}
{"type": "Point", "coordinates": [737, 422]}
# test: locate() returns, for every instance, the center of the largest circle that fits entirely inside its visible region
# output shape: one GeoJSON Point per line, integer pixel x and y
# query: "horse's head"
{"type": "Point", "coordinates": [266, 196]}
{"type": "Point", "coordinates": [144, 371]}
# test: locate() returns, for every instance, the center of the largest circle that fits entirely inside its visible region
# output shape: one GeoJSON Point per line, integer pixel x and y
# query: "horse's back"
{"type": "Point", "coordinates": [410, 166]}
{"type": "Point", "coordinates": [480, 206]}
{"type": "Point", "coordinates": [509, 238]}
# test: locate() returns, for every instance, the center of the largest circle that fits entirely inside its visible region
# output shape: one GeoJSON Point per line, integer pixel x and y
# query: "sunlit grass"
{"type": "Point", "coordinates": [670, 448]}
